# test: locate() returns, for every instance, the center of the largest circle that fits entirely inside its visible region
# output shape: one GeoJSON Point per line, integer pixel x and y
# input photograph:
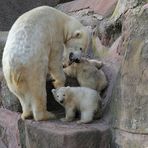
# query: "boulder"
{"type": "Point", "coordinates": [8, 100]}
{"type": "Point", "coordinates": [68, 135]}
{"type": "Point", "coordinates": [9, 133]}
{"type": "Point", "coordinates": [130, 96]}
{"type": "Point", "coordinates": [15, 133]}
{"type": "Point", "coordinates": [3, 37]}
{"type": "Point", "coordinates": [101, 7]}
{"type": "Point", "coordinates": [123, 5]}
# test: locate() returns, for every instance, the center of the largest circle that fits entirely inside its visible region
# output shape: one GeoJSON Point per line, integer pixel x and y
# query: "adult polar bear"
{"type": "Point", "coordinates": [35, 47]}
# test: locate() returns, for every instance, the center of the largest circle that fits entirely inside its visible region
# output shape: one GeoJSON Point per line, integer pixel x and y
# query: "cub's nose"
{"type": "Point", "coordinates": [71, 56]}
{"type": "Point", "coordinates": [61, 101]}
{"type": "Point", "coordinates": [77, 60]}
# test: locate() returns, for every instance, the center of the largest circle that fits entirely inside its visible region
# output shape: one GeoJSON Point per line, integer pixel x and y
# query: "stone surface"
{"type": "Point", "coordinates": [56, 134]}
{"type": "Point", "coordinates": [8, 100]}
{"type": "Point", "coordinates": [9, 134]}
{"type": "Point", "coordinates": [130, 140]}
{"type": "Point", "coordinates": [15, 133]}
{"type": "Point", "coordinates": [123, 5]}
{"type": "Point", "coordinates": [102, 7]}
{"type": "Point", "coordinates": [3, 37]}
{"type": "Point", "coordinates": [108, 31]}
{"type": "Point", "coordinates": [130, 96]}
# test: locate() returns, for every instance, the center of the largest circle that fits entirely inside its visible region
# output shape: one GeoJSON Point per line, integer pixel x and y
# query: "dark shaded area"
{"type": "Point", "coordinates": [10, 10]}
{"type": "Point", "coordinates": [52, 105]}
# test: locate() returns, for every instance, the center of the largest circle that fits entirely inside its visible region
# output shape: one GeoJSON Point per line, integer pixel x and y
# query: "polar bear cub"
{"type": "Point", "coordinates": [83, 99]}
{"type": "Point", "coordinates": [88, 73]}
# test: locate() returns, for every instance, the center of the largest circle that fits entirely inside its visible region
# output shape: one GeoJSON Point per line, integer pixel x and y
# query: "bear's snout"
{"type": "Point", "coordinates": [73, 58]}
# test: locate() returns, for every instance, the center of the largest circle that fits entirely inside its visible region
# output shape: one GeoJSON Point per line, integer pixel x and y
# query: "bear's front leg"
{"type": "Point", "coordinates": [56, 67]}
{"type": "Point", "coordinates": [70, 114]}
{"type": "Point", "coordinates": [58, 75]}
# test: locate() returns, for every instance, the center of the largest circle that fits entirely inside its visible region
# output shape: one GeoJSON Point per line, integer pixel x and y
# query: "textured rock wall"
{"type": "Point", "coordinates": [130, 96]}
{"type": "Point", "coordinates": [121, 37]}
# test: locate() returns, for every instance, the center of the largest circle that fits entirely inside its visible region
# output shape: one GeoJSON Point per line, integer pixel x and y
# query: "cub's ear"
{"type": "Point", "coordinates": [77, 34]}
{"type": "Point", "coordinates": [53, 91]}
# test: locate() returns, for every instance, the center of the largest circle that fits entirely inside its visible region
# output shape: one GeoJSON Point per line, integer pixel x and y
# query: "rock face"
{"type": "Point", "coordinates": [56, 134]}
{"type": "Point", "coordinates": [8, 100]}
{"type": "Point", "coordinates": [3, 37]}
{"type": "Point", "coordinates": [130, 97]}
{"type": "Point", "coordinates": [9, 134]}
{"type": "Point", "coordinates": [115, 39]}
{"type": "Point", "coordinates": [15, 133]}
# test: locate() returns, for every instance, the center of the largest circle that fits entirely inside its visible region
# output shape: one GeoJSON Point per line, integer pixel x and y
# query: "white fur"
{"type": "Point", "coordinates": [34, 48]}
{"type": "Point", "coordinates": [84, 99]}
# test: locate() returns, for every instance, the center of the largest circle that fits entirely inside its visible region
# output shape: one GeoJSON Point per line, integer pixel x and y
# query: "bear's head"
{"type": "Point", "coordinates": [71, 55]}
{"type": "Point", "coordinates": [76, 42]}
{"type": "Point", "coordinates": [60, 94]}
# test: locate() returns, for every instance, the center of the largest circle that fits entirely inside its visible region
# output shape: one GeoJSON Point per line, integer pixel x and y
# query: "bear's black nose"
{"type": "Point", "coordinates": [71, 56]}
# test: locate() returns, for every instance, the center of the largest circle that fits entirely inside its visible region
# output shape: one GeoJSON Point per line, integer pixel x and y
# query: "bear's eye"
{"type": "Point", "coordinates": [80, 49]}
{"type": "Point", "coordinates": [57, 96]}
{"type": "Point", "coordinates": [64, 95]}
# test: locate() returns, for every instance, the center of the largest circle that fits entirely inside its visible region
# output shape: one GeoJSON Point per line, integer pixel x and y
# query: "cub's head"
{"type": "Point", "coordinates": [60, 94]}
{"type": "Point", "coordinates": [76, 42]}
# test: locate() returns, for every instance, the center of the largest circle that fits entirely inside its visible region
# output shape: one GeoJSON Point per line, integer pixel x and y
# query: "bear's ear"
{"type": "Point", "coordinates": [53, 91]}
{"type": "Point", "coordinates": [77, 34]}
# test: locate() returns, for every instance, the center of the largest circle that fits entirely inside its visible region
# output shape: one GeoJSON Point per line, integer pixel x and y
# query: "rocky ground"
{"type": "Point", "coordinates": [120, 39]}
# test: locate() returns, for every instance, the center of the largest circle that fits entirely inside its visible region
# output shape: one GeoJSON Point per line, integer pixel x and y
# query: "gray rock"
{"type": "Point", "coordinates": [15, 133]}
{"type": "Point", "coordinates": [56, 134]}
{"type": "Point", "coordinates": [130, 97]}
{"type": "Point", "coordinates": [3, 37]}
{"type": "Point", "coordinates": [9, 136]}
{"type": "Point", "coordinates": [8, 100]}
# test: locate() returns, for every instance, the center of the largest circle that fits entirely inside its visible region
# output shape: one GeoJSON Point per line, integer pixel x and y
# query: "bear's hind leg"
{"type": "Point", "coordinates": [20, 91]}
{"type": "Point", "coordinates": [86, 116]}
{"type": "Point", "coordinates": [37, 88]}
{"type": "Point", "coordinates": [26, 107]}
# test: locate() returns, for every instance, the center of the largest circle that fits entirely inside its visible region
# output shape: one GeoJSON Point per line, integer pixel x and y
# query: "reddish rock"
{"type": "Point", "coordinates": [57, 134]}
{"type": "Point", "coordinates": [9, 135]}
{"type": "Point", "coordinates": [53, 134]}
{"type": "Point", "coordinates": [102, 7]}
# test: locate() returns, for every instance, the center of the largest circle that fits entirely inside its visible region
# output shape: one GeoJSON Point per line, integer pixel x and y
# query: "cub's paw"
{"type": "Point", "coordinates": [51, 115]}
{"type": "Point", "coordinates": [63, 119]}
{"type": "Point", "coordinates": [66, 120]}
{"type": "Point", "coordinates": [82, 121]}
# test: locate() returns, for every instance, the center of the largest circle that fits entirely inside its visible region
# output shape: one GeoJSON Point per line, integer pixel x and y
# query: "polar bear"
{"type": "Point", "coordinates": [34, 48]}
{"type": "Point", "coordinates": [88, 73]}
{"type": "Point", "coordinates": [83, 99]}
